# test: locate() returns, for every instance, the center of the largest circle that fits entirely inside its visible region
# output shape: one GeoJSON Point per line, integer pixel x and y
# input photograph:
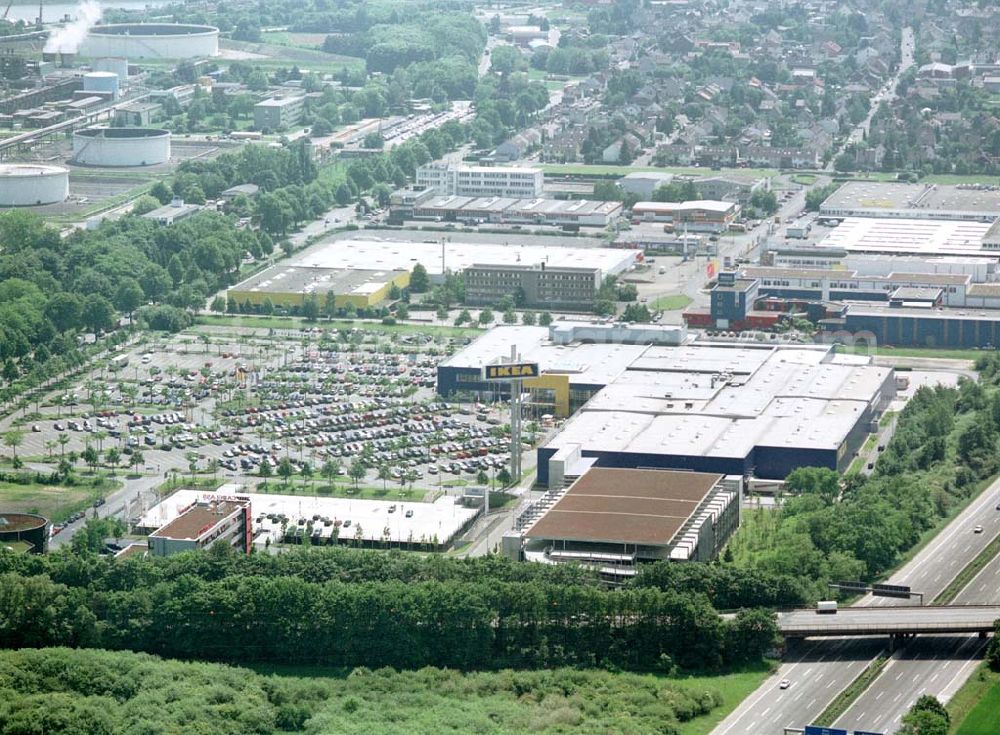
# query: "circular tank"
{"type": "Point", "coordinates": [121, 146]}
{"type": "Point", "coordinates": [115, 64]}
{"type": "Point", "coordinates": [151, 41]}
{"type": "Point", "coordinates": [25, 527]}
{"type": "Point", "coordinates": [101, 81]}
{"type": "Point", "coordinates": [28, 184]}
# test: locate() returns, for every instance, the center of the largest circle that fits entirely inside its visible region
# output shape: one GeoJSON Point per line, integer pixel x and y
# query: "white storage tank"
{"type": "Point", "coordinates": [121, 146]}
{"type": "Point", "coordinates": [151, 41]}
{"type": "Point", "coordinates": [101, 81]}
{"type": "Point", "coordinates": [29, 184]}
{"type": "Point", "coordinates": [114, 64]}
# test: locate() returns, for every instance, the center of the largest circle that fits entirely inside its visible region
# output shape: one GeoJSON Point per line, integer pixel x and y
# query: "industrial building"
{"type": "Point", "coordinates": [123, 147]}
{"type": "Point", "coordinates": [917, 323]}
{"type": "Point", "coordinates": [278, 113]}
{"type": "Point", "coordinates": [909, 236]}
{"type": "Point", "coordinates": [702, 215]}
{"type": "Point", "coordinates": [176, 211]}
{"type": "Point", "coordinates": [289, 286]}
{"type": "Point", "coordinates": [445, 179]}
{"type": "Point", "coordinates": [882, 200]}
{"type": "Point", "coordinates": [348, 521]}
{"type": "Point", "coordinates": [567, 287]}
{"type": "Point", "coordinates": [505, 210]}
{"type": "Point", "coordinates": [844, 285]}
{"type": "Point", "coordinates": [548, 276]}
{"type": "Point", "coordinates": [747, 408]}
{"type": "Point", "coordinates": [615, 519]}
{"type": "Point", "coordinates": [29, 184]}
{"type": "Point", "coordinates": [151, 41]}
{"type": "Point", "coordinates": [25, 532]}
{"type": "Point", "coordinates": [212, 519]}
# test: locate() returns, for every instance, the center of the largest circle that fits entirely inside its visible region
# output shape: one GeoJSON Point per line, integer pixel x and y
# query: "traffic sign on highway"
{"type": "Point", "coordinates": [852, 586]}
{"type": "Point", "coordinates": [891, 590]}
{"type": "Point", "coordinates": [865, 732]}
{"type": "Point", "coordinates": [817, 730]}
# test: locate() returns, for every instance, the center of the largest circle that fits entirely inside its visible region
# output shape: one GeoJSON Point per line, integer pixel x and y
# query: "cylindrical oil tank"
{"type": "Point", "coordinates": [115, 64]}
{"type": "Point", "coordinates": [101, 81]}
{"type": "Point", "coordinates": [29, 184]}
{"type": "Point", "coordinates": [121, 146]}
{"type": "Point", "coordinates": [151, 41]}
{"type": "Point", "coordinates": [25, 528]}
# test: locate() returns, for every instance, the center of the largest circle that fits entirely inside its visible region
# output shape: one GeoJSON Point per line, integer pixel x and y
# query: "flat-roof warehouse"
{"type": "Point", "coordinates": [749, 409]}
{"type": "Point", "coordinates": [613, 518]}
{"type": "Point", "coordinates": [971, 202]}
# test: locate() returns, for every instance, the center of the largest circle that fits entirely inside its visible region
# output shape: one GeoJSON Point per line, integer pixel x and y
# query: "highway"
{"type": "Point", "coordinates": [819, 669]}
{"type": "Point", "coordinates": [882, 620]}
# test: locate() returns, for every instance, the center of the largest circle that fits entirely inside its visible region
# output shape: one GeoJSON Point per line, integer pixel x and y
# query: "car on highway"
{"type": "Point", "coordinates": [977, 529]}
{"type": "Point", "coordinates": [784, 684]}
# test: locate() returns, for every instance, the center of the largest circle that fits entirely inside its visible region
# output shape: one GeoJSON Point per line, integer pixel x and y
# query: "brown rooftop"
{"type": "Point", "coordinates": [197, 520]}
{"type": "Point", "coordinates": [644, 507]}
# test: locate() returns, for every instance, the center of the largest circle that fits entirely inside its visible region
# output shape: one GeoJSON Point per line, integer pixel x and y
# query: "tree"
{"type": "Point", "coordinates": [98, 314]}
{"type": "Point", "coordinates": [485, 317]}
{"type": "Point", "coordinates": [285, 469]}
{"type": "Point", "coordinates": [145, 204]}
{"type": "Point", "coordinates": [504, 477]}
{"type": "Point", "coordinates": [402, 311]}
{"type": "Point", "coordinates": [264, 470]}
{"type": "Point", "coordinates": [926, 717]}
{"type": "Point", "coordinates": [509, 317]}
{"type": "Point", "coordinates": [384, 474]}
{"type": "Point", "coordinates": [91, 457]}
{"type": "Point", "coordinates": [13, 439]}
{"type": "Point", "coordinates": [219, 305]}
{"type": "Point", "coordinates": [464, 317]}
{"type": "Point", "coordinates": [528, 318]}
{"type": "Point", "coordinates": [419, 280]}
{"type": "Point", "coordinates": [310, 308]}
{"type": "Point", "coordinates": [482, 478]}
{"type": "Point", "coordinates": [993, 648]}
{"type": "Point", "coordinates": [637, 313]}
{"type": "Point", "coordinates": [505, 59]}
{"type": "Point", "coordinates": [357, 472]}
{"type": "Point", "coordinates": [819, 481]}
{"type": "Point", "coordinates": [331, 468]}
{"type": "Point", "coordinates": [128, 296]}
{"type": "Point", "coordinates": [136, 460]}
{"type": "Point", "coordinates": [306, 471]}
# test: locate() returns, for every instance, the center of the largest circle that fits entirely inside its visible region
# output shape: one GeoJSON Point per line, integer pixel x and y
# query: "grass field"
{"type": "Point", "coordinates": [55, 502]}
{"type": "Point", "coordinates": [979, 694]}
{"type": "Point", "coordinates": [279, 322]}
{"type": "Point", "coordinates": [581, 169]}
{"type": "Point", "coordinates": [670, 303]}
{"type": "Point", "coordinates": [928, 352]}
{"type": "Point", "coordinates": [975, 708]}
{"type": "Point", "coordinates": [734, 688]}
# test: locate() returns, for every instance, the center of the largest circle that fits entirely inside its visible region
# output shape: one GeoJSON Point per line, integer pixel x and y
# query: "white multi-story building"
{"type": "Point", "coordinates": [481, 181]}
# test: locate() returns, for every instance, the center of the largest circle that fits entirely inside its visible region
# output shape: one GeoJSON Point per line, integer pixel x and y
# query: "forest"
{"type": "Point", "coordinates": [337, 609]}
{"type": "Point", "coordinates": [87, 692]}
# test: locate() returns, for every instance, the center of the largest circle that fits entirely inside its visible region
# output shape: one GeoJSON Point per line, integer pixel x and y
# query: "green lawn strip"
{"type": "Point", "coordinates": [289, 322]}
{"type": "Point", "coordinates": [973, 709]}
{"type": "Point", "coordinates": [671, 303]}
{"type": "Point", "coordinates": [969, 572]}
{"type": "Point", "coordinates": [734, 688]}
{"type": "Point", "coordinates": [582, 169]}
{"type": "Point", "coordinates": [925, 352]}
{"type": "Point", "coordinates": [846, 698]}
{"type": "Point", "coordinates": [392, 491]}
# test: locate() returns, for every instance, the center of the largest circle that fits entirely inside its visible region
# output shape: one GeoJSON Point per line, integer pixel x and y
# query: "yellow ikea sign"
{"type": "Point", "coordinates": [515, 371]}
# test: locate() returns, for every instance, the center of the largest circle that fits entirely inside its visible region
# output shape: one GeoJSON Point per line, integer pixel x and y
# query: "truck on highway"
{"type": "Point", "coordinates": [826, 607]}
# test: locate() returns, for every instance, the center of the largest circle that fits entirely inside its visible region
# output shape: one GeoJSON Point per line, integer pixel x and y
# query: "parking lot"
{"type": "Point", "coordinates": [353, 408]}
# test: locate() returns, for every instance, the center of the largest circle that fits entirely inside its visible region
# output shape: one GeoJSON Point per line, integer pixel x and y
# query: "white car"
{"type": "Point", "coordinates": [784, 684]}
{"type": "Point", "coordinates": [977, 529]}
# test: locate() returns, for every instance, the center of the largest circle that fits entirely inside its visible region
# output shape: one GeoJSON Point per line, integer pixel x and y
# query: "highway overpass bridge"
{"type": "Point", "coordinates": [897, 621]}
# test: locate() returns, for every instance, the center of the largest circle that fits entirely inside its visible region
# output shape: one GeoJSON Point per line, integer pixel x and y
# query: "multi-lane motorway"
{"type": "Point", "coordinates": [819, 669]}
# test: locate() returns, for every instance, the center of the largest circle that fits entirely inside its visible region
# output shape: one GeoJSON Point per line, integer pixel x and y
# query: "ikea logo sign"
{"type": "Point", "coordinates": [515, 371]}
